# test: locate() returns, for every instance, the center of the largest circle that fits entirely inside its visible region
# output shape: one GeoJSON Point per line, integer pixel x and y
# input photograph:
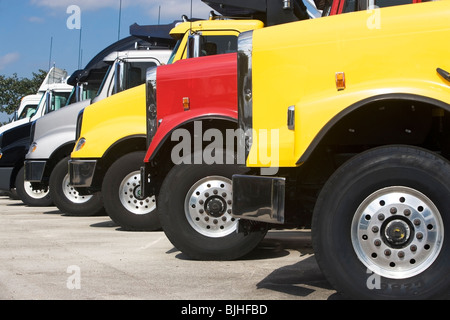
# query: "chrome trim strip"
{"type": "Point", "coordinates": [151, 107]}
{"type": "Point", "coordinates": [245, 90]}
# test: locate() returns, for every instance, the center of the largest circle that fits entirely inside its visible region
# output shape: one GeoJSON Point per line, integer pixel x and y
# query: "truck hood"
{"type": "Point", "coordinates": [61, 118]}
{"type": "Point", "coordinates": [13, 124]}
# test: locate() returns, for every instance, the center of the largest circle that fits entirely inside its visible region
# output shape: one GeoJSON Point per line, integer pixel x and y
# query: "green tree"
{"type": "Point", "coordinates": [13, 89]}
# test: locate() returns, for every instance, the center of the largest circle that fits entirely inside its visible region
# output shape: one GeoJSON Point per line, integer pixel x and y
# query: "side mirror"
{"type": "Point", "coordinates": [193, 46]}
{"type": "Point", "coordinates": [119, 77]}
{"type": "Point", "coordinates": [79, 92]}
{"type": "Point", "coordinates": [48, 102]}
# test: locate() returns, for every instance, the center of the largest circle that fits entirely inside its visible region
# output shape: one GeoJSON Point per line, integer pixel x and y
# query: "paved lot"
{"type": "Point", "coordinates": [46, 255]}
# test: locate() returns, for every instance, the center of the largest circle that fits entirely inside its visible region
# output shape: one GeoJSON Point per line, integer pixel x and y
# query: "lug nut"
{"type": "Point", "coordinates": [387, 252]}
{"type": "Point", "coordinates": [381, 217]}
{"type": "Point", "coordinates": [401, 254]}
{"type": "Point", "coordinates": [419, 235]}
{"type": "Point", "coordinates": [416, 222]}
{"type": "Point", "coordinates": [407, 212]}
{"type": "Point", "coordinates": [377, 242]}
{"type": "Point", "coordinates": [375, 229]}
{"type": "Point", "coordinates": [393, 210]}
{"type": "Point", "coordinates": [413, 248]}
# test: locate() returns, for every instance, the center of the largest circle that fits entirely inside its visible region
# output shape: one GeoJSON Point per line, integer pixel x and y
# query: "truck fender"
{"type": "Point", "coordinates": [364, 102]}
{"type": "Point", "coordinates": [172, 123]}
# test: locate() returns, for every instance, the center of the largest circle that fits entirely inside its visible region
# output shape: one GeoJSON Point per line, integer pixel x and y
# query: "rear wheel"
{"type": "Point", "coordinates": [379, 224]}
{"type": "Point", "coordinates": [29, 196]}
{"type": "Point", "coordinates": [121, 192]}
{"type": "Point", "coordinates": [195, 207]}
{"type": "Point", "coordinates": [67, 199]}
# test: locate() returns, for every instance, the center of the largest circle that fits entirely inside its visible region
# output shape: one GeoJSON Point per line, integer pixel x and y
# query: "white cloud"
{"type": "Point", "coordinates": [36, 19]}
{"type": "Point", "coordinates": [8, 59]}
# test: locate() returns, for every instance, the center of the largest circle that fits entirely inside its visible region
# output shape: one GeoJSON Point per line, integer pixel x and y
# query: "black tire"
{"type": "Point", "coordinates": [29, 196]}
{"type": "Point", "coordinates": [67, 199]}
{"type": "Point", "coordinates": [378, 226]}
{"type": "Point", "coordinates": [186, 227]}
{"type": "Point", "coordinates": [120, 187]}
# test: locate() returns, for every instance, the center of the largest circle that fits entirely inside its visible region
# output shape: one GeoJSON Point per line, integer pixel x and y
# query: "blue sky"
{"type": "Point", "coordinates": [28, 27]}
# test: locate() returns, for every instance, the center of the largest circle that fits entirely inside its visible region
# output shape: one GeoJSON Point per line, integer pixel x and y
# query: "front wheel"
{"type": "Point", "coordinates": [67, 199]}
{"type": "Point", "coordinates": [379, 224]}
{"type": "Point", "coordinates": [195, 209]}
{"type": "Point", "coordinates": [30, 196]}
{"type": "Point", "coordinates": [121, 190]}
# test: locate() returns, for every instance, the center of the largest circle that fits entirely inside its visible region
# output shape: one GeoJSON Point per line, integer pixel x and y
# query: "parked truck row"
{"type": "Point", "coordinates": [268, 114]}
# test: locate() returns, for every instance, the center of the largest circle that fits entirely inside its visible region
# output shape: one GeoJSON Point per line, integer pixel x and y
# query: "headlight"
{"type": "Point", "coordinates": [80, 144]}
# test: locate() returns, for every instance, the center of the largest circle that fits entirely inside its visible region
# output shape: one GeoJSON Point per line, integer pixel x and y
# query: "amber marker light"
{"type": "Point", "coordinates": [186, 104]}
{"type": "Point", "coordinates": [33, 147]}
{"type": "Point", "coordinates": [340, 81]}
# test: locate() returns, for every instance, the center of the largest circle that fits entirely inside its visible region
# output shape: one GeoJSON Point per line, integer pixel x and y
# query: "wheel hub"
{"type": "Point", "coordinates": [130, 195]}
{"type": "Point", "coordinates": [397, 232]}
{"type": "Point", "coordinates": [208, 207]}
{"type": "Point", "coordinates": [215, 206]}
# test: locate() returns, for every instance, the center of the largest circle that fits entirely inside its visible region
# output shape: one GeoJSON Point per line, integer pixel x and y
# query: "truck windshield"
{"type": "Point", "coordinates": [104, 80]}
{"type": "Point", "coordinates": [174, 52]}
{"type": "Point", "coordinates": [28, 111]}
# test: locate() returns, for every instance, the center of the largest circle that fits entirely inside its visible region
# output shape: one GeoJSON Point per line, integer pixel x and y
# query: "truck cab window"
{"type": "Point", "coordinates": [135, 73]}
{"type": "Point", "coordinates": [212, 45]}
{"type": "Point", "coordinates": [28, 111]}
{"type": "Point", "coordinates": [350, 6]}
{"type": "Point", "coordinates": [59, 100]}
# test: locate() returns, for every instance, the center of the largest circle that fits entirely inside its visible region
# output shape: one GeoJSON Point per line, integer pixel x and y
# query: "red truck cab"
{"type": "Point", "coordinates": [190, 90]}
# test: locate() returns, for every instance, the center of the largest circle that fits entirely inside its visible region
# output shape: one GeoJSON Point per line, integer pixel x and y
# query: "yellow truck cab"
{"type": "Point", "coordinates": [348, 134]}
{"type": "Point", "coordinates": [111, 134]}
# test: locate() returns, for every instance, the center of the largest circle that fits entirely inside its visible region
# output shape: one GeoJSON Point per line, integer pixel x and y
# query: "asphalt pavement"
{"type": "Point", "coordinates": [47, 255]}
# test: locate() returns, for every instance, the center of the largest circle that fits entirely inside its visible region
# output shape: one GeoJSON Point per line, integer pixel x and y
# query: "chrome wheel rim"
{"type": "Point", "coordinates": [130, 192]}
{"type": "Point", "coordinates": [71, 193]}
{"type": "Point", "coordinates": [208, 207]}
{"type": "Point", "coordinates": [397, 232]}
{"type": "Point", "coordinates": [35, 194]}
